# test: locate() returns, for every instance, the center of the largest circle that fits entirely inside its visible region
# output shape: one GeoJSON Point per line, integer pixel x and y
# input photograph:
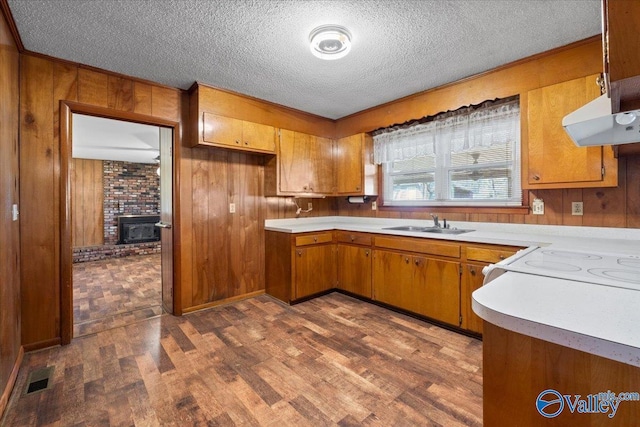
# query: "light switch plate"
{"type": "Point", "coordinates": [14, 212]}
{"type": "Point", "coordinates": [538, 207]}
{"type": "Point", "coordinates": [374, 206]}
{"type": "Point", "coordinates": [577, 208]}
{"type": "Point", "coordinates": [232, 208]}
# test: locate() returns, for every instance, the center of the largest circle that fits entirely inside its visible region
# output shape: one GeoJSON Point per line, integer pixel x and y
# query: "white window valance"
{"type": "Point", "coordinates": [471, 127]}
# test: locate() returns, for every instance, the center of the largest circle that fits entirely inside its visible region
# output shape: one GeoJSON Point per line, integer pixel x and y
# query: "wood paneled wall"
{"type": "Point", "coordinates": [10, 349]}
{"type": "Point", "coordinates": [221, 254]}
{"type": "Point", "coordinates": [87, 198]}
{"type": "Point", "coordinates": [604, 207]}
{"type": "Point", "coordinates": [43, 84]}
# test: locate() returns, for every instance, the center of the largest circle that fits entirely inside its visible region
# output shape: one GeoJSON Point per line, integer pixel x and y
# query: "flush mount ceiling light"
{"type": "Point", "coordinates": [330, 42]}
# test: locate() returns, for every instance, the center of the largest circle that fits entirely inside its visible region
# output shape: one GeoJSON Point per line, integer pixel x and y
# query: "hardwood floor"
{"type": "Point", "coordinates": [115, 292]}
{"type": "Point", "coordinates": [333, 360]}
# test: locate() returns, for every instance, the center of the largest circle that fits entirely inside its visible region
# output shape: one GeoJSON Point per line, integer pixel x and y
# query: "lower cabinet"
{"type": "Point", "coordinates": [477, 257]}
{"type": "Point", "coordinates": [354, 269]}
{"type": "Point", "coordinates": [315, 270]}
{"type": "Point", "coordinates": [298, 266]}
{"type": "Point", "coordinates": [423, 285]}
{"type": "Point", "coordinates": [428, 277]}
{"type": "Point", "coordinates": [472, 279]}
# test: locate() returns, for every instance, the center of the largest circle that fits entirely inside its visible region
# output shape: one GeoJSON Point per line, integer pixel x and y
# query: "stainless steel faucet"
{"type": "Point", "coordinates": [436, 223]}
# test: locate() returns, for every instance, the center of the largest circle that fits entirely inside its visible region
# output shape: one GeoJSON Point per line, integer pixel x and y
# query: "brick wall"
{"type": "Point", "coordinates": [129, 189]}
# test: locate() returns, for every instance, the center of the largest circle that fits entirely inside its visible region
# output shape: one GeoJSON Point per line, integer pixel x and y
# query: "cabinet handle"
{"type": "Point", "coordinates": [536, 177]}
{"type": "Point", "coordinates": [473, 271]}
{"type": "Point", "coordinates": [353, 238]}
{"type": "Point", "coordinates": [304, 188]}
{"type": "Point", "coordinates": [366, 253]}
{"type": "Point", "coordinates": [237, 141]}
{"type": "Point", "coordinates": [501, 256]}
{"type": "Point", "coordinates": [406, 260]}
{"type": "Point", "coordinates": [246, 143]}
{"type": "Point", "coordinates": [417, 261]}
{"type": "Point", "coordinates": [315, 239]}
{"type": "Point", "coordinates": [357, 188]}
{"type": "Point", "coordinates": [299, 253]}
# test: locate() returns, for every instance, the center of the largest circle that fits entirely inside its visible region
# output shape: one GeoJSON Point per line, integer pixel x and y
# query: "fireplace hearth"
{"type": "Point", "coordinates": [138, 229]}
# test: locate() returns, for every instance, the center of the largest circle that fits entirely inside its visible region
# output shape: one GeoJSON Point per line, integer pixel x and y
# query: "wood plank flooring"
{"type": "Point", "coordinates": [115, 292]}
{"type": "Point", "coordinates": [330, 361]}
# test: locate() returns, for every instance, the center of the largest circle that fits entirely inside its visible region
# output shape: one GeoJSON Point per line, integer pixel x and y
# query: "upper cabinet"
{"type": "Point", "coordinates": [303, 165]}
{"type": "Point", "coordinates": [209, 129]}
{"type": "Point", "coordinates": [237, 134]}
{"type": "Point", "coordinates": [356, 174]}
{"type": "Point", "coordinates": [549, 158]}
{"type": "Point", "coordinates": [621, 20]}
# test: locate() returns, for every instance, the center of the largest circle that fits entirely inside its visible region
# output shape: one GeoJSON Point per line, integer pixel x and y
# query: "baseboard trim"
{"type": "Point", "coordinates": [42, 344]}
{"type": "Point", "coordinates": [6, 394]}
{"type": "Point", "coordinates": [222, 301]}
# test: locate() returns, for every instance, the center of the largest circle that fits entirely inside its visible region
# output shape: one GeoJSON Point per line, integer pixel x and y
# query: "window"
{"type": "Point", "coordinates": [466, 157]}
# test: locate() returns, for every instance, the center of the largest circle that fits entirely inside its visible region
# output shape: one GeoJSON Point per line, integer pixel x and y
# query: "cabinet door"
{"type": "Point", "coordinates": [354, 269]}
{"type": "Point", "coordinates": [393, 278]}
{"type": "Point", "coordinates": [257, 136]}
{"type": "Point", "coordinates": [472, 279]}
{"type": "Point", "coordinates": [438, 282]}
{"type": "Point", "coordinates": [349, 165]}
{"type": "Point", "coordinates": [306, 163]}
{"type": "Point", "coordinates": [552, 156]}
{"type": "Point", "coordinates": [321, 156]}
{"type": "Point", "coordinates": [315, 269]}
{"type": "Point", "coordinates": [222, 130]}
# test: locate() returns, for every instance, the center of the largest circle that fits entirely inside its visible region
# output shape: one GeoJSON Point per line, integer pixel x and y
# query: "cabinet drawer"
{"type": "Point", "coordinates": [314, 239]}
{"type": "Point", "coordinates": [355, 238]}
{"type": "Point", "coordinates": [423, 246]}
{"type": "Point", "coordinates": [488, 254]}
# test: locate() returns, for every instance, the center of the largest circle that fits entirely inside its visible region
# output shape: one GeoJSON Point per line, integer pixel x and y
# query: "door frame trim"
{"type": "Point", "coordinates": [67, 108]}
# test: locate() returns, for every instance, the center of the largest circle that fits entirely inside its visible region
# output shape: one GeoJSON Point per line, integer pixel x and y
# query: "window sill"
{"type": "Point", "coordinates": [518, 210]}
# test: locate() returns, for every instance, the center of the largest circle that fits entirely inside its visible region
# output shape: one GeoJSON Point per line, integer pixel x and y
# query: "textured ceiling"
{"type": "Point", "coordinates": [261, 48]}
{"type": "Point", "coordinates": [106, 139]}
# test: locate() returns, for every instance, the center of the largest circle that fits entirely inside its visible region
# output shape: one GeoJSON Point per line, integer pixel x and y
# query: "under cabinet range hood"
{"type": "Point", "coordinates": [595, 124]}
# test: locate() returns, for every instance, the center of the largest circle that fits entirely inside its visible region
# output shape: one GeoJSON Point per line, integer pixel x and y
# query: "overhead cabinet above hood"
{"type": "Point", "coordinates": [613, 118]}
{"type": "Point", "coordinates": [595, 124]}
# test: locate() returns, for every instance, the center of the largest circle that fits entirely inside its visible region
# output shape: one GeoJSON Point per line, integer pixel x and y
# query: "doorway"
{"type": "Point", "coordinates": [117, 236]}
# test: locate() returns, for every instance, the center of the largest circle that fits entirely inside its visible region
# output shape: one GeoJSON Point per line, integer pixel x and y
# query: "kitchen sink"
{"type": "Point", "coordinates": [407, 228]}
{"type": "Point", "coordinates": [439, 230]}
{"type": "Point", "coordinates": [436, 230]}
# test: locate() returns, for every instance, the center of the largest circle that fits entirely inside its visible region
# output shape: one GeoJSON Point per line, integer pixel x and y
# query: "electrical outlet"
{"type": "Point", "coordinates": [14, 212]}
{"type": "Point", "coordinates": [576, 208]}
{"type": "Point", "coordinates": [310, 206]}
{"type": "Point", "coordinates": [374, 206]}
{"type": "Point", "coordinates": [232, 208]}
{"type": "Point", "coordinates": [538, 207]}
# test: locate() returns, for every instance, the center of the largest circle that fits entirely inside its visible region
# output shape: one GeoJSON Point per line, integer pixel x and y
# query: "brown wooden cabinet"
{"type": "Point", "coordinates": [356, 174]}
{"type": "Point", "coordinates": [477, 258]}
{"type": "Point", "coordinates": [621, 21]}
{"type": "Point", "coordinates": [418, 283]}
{"type": "Point", "coordinates": [303, 165]}
{"type": "Point", "coordinates": [472, 279]}
{"type": "Point", "coordinates": [550, 158]}
{"type": "Point", "coordinates": [238, 134]}
{"type": "Point", "coordinates": [298, 266]}
{"type": "Point", "coordinates": [355, 256]}
{"type": "Point", "coordinates": [315, 269]}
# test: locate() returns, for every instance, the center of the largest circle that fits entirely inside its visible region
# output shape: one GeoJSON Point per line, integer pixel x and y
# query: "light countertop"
{"type": "Point", "coordinates": [597, 319]}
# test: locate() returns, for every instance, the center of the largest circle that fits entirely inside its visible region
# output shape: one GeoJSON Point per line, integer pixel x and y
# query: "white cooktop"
{"type": "Point", "coordinates": [609, 269]}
